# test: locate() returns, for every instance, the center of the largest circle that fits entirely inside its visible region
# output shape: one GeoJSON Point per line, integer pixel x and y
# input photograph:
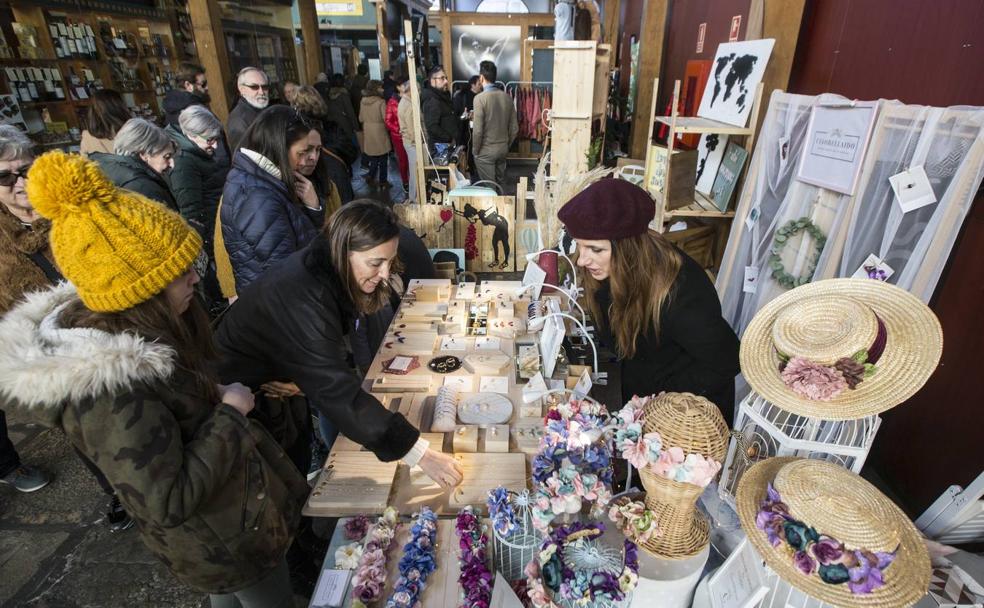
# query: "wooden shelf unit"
{"type": "Point", "coordinates": [702, 207]}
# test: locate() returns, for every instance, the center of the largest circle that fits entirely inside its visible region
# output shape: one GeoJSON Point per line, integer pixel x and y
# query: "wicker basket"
{"type": "Point", "coordinates": [695, 425]}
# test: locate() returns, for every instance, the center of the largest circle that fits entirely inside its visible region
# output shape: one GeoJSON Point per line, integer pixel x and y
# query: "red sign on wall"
{"type": "Point", "coordinates": [735, 28]}
{"type": "Point", "coordinates": [701, 31]}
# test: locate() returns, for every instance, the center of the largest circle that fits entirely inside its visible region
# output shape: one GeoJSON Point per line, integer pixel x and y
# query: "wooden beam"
{"type": "Point", "coordinates": [206, 21]}
{"type": "Point", "coordinates": [313, 62]}
{"type": "Point", "coordinates": [610, 23]}
{"type": "Point", "coordinates": [381, 39]}
{"type": "Point", "coordinates": [655, 17]}
{"type": "Point", "coordinates": [418, 134]}
{"type": "Point", "coordinates": [781, 20]}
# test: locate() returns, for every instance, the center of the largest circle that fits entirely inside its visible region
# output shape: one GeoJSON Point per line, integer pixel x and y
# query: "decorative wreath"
{"type": "Point", "coordinates": [789, 230]}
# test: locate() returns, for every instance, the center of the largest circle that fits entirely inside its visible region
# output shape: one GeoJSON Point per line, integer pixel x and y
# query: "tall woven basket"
{"type": "Point", "coordinates": [695, 425]}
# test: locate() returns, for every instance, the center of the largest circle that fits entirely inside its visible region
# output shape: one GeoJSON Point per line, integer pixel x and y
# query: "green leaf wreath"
{"type": "Point", "coordinates": [783, 235]}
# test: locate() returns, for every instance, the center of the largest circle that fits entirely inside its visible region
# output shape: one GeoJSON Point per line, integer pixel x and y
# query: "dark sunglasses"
{"type": "Point", "coordinates": [257, 87]}
{"type": "Point", "coordinates": [9, 178]}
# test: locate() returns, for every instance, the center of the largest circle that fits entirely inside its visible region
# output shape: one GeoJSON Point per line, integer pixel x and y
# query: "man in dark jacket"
{"type": "Point", "coordinates": [359, 82]}
{"type": "Point", "coordinates": [190, 88]}
{"type": "Point", "coordinates": [440, 122]}
{"type": "Point", "coordinates": [254, 97]}
{"type": "Point", "coordinates": [340, 110]}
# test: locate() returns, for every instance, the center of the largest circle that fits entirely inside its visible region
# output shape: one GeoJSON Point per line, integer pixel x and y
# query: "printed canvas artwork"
{"type": "Point", "coordinates": [485, 227]}
{"type": "Point", "coordinates": [710, 151]}
{"type": "Point", "coordinates": [727, 177]}
{"type": "Point", "coordinates": [473, 44]}
{"type": "Point", "coordinates": [737, 70]}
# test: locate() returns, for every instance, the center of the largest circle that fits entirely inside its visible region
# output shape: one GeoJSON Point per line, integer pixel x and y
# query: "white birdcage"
{"type": "Point", "coordinates": [511, 553]}
{"type": "Point", "coordinates": [764, 430]}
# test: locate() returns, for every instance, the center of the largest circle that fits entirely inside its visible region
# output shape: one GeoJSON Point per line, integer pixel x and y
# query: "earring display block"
{"type": "Point", "coordinates": [497, 438]}
{"type": "Point", "coordinates": [487, 363]}
{"type": "Point", "coordinates": [465, 439]}
{"type": "Point", "coordinates": [402, 384]}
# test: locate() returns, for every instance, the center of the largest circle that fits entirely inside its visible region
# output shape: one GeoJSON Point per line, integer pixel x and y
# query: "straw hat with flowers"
{"type": "Point", "coordinates": [831, 534]}
{"type": "Point", "coordinates": [841, 349]}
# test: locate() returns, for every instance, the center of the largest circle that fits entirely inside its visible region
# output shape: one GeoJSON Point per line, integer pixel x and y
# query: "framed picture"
{"type": "Point", "coordinates": [737, 70]}
{"type": "Point", "coordinates": [473, 44]}
{"type": "Point", "coordinates": [727, 176]}
{"type": "Point", "coordinates": [836, 142]}
{"type": "Point", "coordinates": [710, 152]}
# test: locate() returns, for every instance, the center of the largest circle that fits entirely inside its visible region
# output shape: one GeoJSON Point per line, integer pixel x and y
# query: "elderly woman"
{"type": "Point", "coordinates": [196, 179]}
{"type": "Point", "coordinates": [142, 154]}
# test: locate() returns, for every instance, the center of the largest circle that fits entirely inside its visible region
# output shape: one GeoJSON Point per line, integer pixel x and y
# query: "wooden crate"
{"type": "Point", "coordinates": [682, 168]}
{"type": "Point", "coordinates": [697, 242]}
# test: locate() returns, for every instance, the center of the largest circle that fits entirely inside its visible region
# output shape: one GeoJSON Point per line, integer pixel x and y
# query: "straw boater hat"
{"type": "Point", "coordinates": [841, 348]}
{"type": "Point", "coordinates": [831, 534]}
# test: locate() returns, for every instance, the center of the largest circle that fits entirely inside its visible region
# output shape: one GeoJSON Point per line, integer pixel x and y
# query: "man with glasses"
{"type": "Point", "coordinates": [191, 89]}
{"type": "Point", "coordinates": [440, 121]}
{"type": "Point", "coordinates": [254, 97]}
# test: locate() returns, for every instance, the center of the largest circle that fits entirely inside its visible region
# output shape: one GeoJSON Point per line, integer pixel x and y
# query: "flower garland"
{"type": "Point", "coordinates": [347, 557]}
{"type": "Point", "coordinates": [818, 554]}
{"type": "Point", "coordinates": [635, 521]}
{"type": "Point", "coordinates": [642, 450]}
{"type": "Point", "coordinates": [501, 512]}
{"type": "Point", "coordinates": [475, 578]}
{"type": "Point", "coordinates": [549, 574]}
{"type": "Point", "coordinates": [790, 229]}
{"type": "Point", "coordinates": [356, 527]}
{"type": "Point", "coordinates": [573, 463]}
{"type": "Point", "coordinates": [417, 563]}
{"type": "Point", "coordinates": [367, 583]}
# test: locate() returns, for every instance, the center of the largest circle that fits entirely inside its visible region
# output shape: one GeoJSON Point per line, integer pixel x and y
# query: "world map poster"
{"type": "Point", "coordinates": [737, 70]}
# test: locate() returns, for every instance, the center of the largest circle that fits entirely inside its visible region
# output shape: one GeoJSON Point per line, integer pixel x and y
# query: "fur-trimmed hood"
{"type": "Point", "coordinates": [43, 367]}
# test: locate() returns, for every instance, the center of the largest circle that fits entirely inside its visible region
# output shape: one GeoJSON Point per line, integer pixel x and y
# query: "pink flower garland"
{"type": "Point", "coordinates": [369, 578]}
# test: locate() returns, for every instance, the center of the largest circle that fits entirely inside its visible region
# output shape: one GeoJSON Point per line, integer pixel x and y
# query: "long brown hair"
{"type": "Point", "coordinates": [154, 320]}
{"type": "Point", "coordinates": [360, 226]}
{"type": "Point", "coordinates": [643, 269]}
{"type": "Point", "coordinates": [107, 114]}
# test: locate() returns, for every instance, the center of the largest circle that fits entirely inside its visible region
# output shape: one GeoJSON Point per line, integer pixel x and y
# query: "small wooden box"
{"type": "Point", "coordinates": [497, 438]}
{"type": "Point", "coordinates": [465, 439]}
{"type": "Point", "coordinates": [682, 176]}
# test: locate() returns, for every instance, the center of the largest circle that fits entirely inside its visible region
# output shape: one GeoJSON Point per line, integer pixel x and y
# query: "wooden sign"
{"type": "Point", "coordinates": [485, 227]}
{"type": "Point", "coordinates": [351, 483]}
{"type": "Point", "coordinates": [432, 223]}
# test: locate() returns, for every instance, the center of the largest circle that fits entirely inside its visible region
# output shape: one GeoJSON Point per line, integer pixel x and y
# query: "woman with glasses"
{"type": "Point", "coordinates": [142, 154]}
{"type": "Point", "coordinates": [269, 209]}
{"type": "Point", "coordinates": [197, 180]}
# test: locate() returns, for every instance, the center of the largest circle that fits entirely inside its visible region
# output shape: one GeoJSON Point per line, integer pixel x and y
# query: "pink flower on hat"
{"type": "Point", "coordinates": [812, 380]}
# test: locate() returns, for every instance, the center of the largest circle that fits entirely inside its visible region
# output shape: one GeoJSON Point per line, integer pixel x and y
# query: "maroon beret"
{"type": "Point", "coordinates": [608, 209]}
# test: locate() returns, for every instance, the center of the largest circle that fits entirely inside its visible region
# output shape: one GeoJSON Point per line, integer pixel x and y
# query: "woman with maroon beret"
{"type": "Point", "coordinates": [653, 303]}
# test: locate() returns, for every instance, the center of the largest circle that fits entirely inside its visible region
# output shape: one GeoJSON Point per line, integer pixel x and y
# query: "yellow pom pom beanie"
{"type": "Point", "coordinates": [117, 247]}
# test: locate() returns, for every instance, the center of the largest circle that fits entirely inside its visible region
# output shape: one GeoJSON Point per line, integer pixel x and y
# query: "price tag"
{"type": "Point", "coordinates": [534, 276]}
{"type": "Point", "coordinates": [753, 217]}
{"type": "Point", "coordinates": [750, 284]}
{"type": "Point", "coordinates": [583, 386]}
{"type": "Point", "coordinates": [873, 268]}
{"type": "Point", "coordinates": [912, 189]}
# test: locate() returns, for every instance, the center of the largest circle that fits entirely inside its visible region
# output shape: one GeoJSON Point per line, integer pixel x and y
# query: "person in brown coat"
{"type": "Point", "coordinates": [376, 141]}
{"type": "Point", "coordinates": [494, 126]}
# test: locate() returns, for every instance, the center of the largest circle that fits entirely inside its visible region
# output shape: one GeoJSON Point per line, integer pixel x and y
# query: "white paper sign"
{"type": "Point", "coordinates": [551, 337]}
{"type": "Point", "coordinates": [738, 583]}
{"type": "Point", "coordinates": [750, 284]}
{"type": "Point", "coordinates": [486, 343]}
{"type": "Point", "coordinates": [330, 592]}
{"type": "Point", "coordinates": [535, 276]}
{"type": "Point", "coordinates": [494, 384]}
{"type": "Point", "coordinates": [534, 389]}
{"type": "Point", "coordinates": [453, 343]}
{"type": "Point", "coordinates": [836, 142]}
{"type": "Point", "coordinates": [873, 268]}
{"type": "Point", "coordinates": [462, 383]}
{"type": "Point", "coordinates": [912, 189]}
{"type": "Point", "coordinates": [583, 386]}
{"type": "Point", "coordinates": [400, 364]}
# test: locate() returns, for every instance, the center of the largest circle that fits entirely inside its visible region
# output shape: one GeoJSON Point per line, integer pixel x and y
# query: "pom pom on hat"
{"type": "Point", "coordinates": [117, 247]}
{"type": "Point", "coordinates": [608, 209]}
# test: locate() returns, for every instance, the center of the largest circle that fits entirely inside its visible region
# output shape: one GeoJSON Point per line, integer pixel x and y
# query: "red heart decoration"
{"type": "Point", "coordinates": [446, 215]}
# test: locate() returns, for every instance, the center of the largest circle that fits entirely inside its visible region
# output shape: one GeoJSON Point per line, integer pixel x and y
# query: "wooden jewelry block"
{"type": "Point", "coordinates": [490, 363]}
{"type": "Point", "coordinates": [431, 293]}
{"type": "Point", "coordinates": [401, 384]}
{"type": "Point", "coordinates": [483, 409]}
{"type": "Point", "coordinates": [534, 410]}
{"type": "Point", "coordinates": [351, 483]}
{"type": "Point", "coordinates": [484, 471]}
{"type": "Point", "coordinates": [436, 440]}
{"type": "Point", "coordinates": [527, 436]}
{"type": "Point", "coordinates": [465, 439]}
{"type": "Point", "coordinates": [497, 438]}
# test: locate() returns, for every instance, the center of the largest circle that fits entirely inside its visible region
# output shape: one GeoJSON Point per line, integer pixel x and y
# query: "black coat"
{"type": "Point", "coordinates": [290, 325]}
{"type": "Point", "coordinates": [697, 351]}
{"type": "Point", "coordinates": [131, 173]}
{"type": "Point", "coordinates": [240, 119]}
{"type": "Point", "coordinates": [261, 224]}
{"type": "Point", "coordinates": [440, 121]}
{"type": "Point", "coordinates": [196, 182]}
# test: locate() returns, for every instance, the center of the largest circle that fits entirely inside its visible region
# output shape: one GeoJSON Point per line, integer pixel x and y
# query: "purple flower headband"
{"type": "Point", "coordinates": [370, 576]}
{"type": "Point", "coordinates": [816, 554]}
{"type": "Point", "coordinates": [825, 382]}
{"type": "Point", "coordinates": [548, 572]}
{"type": "Point", "coordinates": [475, 578]}
{"type": "Point", "coordinates": [501, 512]}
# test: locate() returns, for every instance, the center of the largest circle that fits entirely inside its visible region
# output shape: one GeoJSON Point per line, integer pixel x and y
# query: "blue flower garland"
{"type": "Point", "coordinates": [417, 563]}
{"type": "Point", "coordinates": [501, 512]}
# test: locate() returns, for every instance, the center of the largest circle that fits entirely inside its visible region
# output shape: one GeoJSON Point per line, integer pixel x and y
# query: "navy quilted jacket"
{"type": "Point", "coordinates": [261, 225]}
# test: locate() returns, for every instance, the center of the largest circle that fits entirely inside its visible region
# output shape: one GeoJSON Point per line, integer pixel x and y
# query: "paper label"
{"type": "Point", "coordinates": [400, 363]}
{"type": "Point", "coordinates": [701, 34]}
{"type": "Point", "coordinates": [332, 585]}
{"type": "Point", "coordinates": [750, 284]}
{"type": "Point", "coordinates": [753, 217]}
{"type": "Point", "coordinates": [912, 189]}
{"type": "Point", "coordinates": [535, 388]}
{"type": "Point", "coordinates": [583, 386]}
{"type": "Point", "coordinates": [873, 268]}
{"type": "Point", "coordinates": [494, 384]}
{"type": "Point", "coordinates": [453, 343]}
{"type": "Point", "coordinates": [484, 343]}
{"type": "Point", "coordinates": [534, 276]}
{"type": "Point", "coordinates": [462, 383]}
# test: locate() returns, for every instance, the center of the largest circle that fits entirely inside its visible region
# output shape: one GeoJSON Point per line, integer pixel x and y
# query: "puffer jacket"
{"type": "Point", "coordinates": [213, 495]}
{"type": "Point", "coordinates": [261, 224]}
{"type": "Point", "coordinates": [196, 182]}
{"type": "Point", "coordinates": [135, 175]}
{"type": "Point", "coordinates": [440, 122]}
{"type": "Point", "coordinates": [290, 325]}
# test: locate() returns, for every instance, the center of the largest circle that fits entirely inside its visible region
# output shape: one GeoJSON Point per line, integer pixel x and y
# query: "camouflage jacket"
{"type": "Point", "coordinates": [213, 495]}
